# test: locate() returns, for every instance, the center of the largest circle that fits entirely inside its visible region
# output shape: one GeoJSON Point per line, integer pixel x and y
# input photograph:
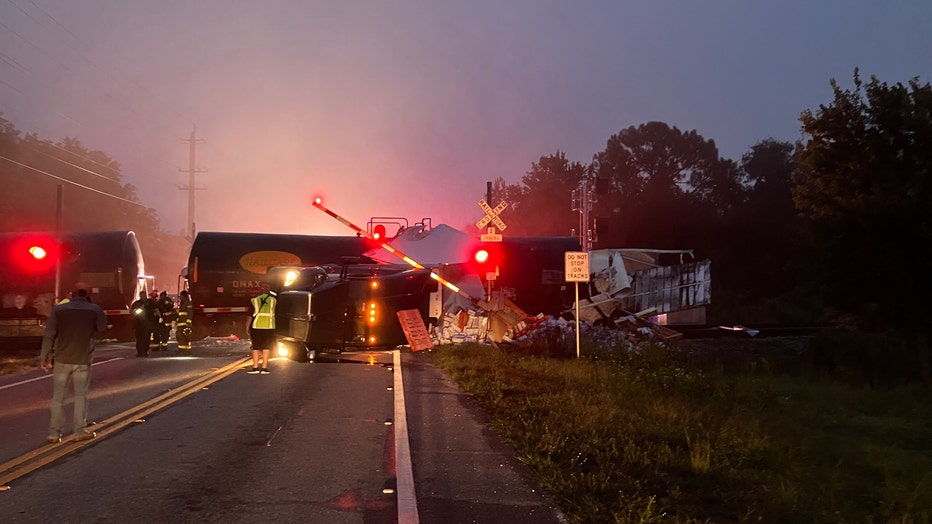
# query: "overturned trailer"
{"type": "Point", "coordinates": [358, 308]}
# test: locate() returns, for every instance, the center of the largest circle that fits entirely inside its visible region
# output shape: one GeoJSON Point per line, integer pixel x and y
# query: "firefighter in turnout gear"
{"type": "Point", "coordinates": [144, 312]}
{"type": "Point", "coordinates": [166, 312]}
{"type": "Point", "coordinates": [183, 324]}
{"type": "Point", "coordinates": [262, 328]}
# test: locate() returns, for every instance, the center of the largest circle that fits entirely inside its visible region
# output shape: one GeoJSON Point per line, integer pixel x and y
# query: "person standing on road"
{"type": "Point", "coordinates": [144, 313]}
{"type": "Point", "coordinates": [67, 351]}
{"type": "Point", "coordinates": [262, 328]}
{"type": "Point", "coordinates": [166, 307]}
{"type": "Point", "coordinates": [183, 325]}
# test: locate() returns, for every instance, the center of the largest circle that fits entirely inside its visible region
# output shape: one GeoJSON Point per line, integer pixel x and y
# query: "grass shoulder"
{"type": "Point", "coordinates": [657, 435]}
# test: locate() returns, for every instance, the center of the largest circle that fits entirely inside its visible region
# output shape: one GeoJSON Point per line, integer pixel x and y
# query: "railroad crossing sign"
{"type": "Point", "coordinates": [491, 215]}
{"type": "Point", "coordinates": [491, 236]}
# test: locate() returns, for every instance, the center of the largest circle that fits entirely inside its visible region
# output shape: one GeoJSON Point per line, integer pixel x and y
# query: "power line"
{"type": "Point", "coordinates": [88, 171]}
{"type": "Point", "coordinates": [73, 183]}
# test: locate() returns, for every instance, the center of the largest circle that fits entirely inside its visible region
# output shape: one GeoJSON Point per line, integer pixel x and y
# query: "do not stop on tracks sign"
{"type": "Point", "coordinates": [577, 270]}
{"type": "Point", "coordinates": [576, 266]}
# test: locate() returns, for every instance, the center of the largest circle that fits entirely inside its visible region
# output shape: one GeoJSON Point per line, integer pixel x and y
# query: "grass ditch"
{"type": "Point", "coordinates": [656, 435]}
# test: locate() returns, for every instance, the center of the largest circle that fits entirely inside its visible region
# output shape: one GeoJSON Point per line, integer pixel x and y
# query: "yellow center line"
{"type": "Point", "coordinates": [33, 460]}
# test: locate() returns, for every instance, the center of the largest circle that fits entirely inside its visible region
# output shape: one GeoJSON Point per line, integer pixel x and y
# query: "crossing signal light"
{"type": "Point", "coordinates": [35, 253]}
{"type": "Point", "coordinates": [378, 232]}
{"type": "Point", "coordinates": [486, 261]}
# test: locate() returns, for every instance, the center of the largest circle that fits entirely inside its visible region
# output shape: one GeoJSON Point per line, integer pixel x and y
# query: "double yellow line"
{"type": "Point", "coordinates": [49, 453]}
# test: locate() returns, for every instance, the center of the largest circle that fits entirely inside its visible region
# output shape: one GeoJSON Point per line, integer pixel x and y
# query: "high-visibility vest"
{"type": "Point", "coordinates": [263, 312]}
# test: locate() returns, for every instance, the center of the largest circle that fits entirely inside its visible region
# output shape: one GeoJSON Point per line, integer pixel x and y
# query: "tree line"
{"type": "Point", "coordinates": [835, 228]}
{"type": "Point", "coordinates": [95, 197]}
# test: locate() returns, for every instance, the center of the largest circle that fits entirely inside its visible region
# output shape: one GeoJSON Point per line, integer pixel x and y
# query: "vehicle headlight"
{"type": "Point", "coordinates": [282, 350]}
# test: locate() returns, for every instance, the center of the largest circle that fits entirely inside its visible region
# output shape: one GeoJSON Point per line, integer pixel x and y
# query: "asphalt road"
{"type": "Point", "coordinates": [307, 443]}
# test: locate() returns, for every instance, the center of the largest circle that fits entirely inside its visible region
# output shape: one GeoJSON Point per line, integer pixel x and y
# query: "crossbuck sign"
{"type": "Point", "coordinates": [491, 215]}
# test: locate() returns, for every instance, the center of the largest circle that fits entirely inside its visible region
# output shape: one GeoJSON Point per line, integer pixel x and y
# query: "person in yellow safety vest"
{"type": "Point", "coordinates": [183, 324]}
{"type": "Point", "coordinates": [262, 328]}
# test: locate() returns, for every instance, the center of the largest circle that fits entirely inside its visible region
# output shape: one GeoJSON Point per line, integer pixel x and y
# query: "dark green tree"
{"type": "Point", "coordinates": [540, 204]}
{"type": "Point", "coordinates": [863, 188]}
{"type": "Point", "coordinates": [764, 227]}
{"type": "Point", "coordinates": [667, 188]}
{"type": "Point", "coordinates": [95, 196]}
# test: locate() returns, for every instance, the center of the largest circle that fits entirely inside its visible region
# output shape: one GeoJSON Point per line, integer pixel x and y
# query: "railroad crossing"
{"type": "Point", "coordinates": [491, 216]}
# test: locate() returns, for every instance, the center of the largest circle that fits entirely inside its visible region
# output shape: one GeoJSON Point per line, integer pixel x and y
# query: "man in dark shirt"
{"type": "Point", "coordinates": [68, 350]}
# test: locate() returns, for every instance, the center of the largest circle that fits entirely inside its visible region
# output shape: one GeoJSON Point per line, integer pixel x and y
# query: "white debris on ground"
{"type": "Point", "coordinates": [219, 341]}
{"type": "Point", "coordinates": [628, 333]}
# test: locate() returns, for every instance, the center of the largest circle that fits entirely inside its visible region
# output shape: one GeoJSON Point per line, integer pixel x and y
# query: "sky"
{"type": "Point", "coordinates": [406, 108]}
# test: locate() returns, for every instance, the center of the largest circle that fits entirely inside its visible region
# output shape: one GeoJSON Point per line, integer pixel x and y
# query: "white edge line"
{"type": "Point", "coordinates": [49, 375]}
{"type": "Point", "coordinates": [404, 474]}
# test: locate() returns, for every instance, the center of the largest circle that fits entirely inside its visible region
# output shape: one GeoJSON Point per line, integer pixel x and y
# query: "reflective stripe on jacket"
{"type": "Point", "coordinates": [185, 311]}
{"type": "Point", "coordinates": [263, 311]}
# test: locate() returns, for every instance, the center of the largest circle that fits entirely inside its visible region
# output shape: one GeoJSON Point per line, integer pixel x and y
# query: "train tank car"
{"type": "Point", "coordinates": [109, 264]}
{"type": "Point", "coordinates": [225, 270]}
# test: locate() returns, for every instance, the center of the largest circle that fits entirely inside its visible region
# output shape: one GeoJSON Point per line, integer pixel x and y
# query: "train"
{"type": "Point", "coordinates": [39, 269]}
{"type": "Point", "coordinates": [225, 270]}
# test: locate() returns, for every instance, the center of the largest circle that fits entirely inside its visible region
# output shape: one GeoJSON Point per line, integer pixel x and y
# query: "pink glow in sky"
{"type": "Point", "coordinates": [406, 108]}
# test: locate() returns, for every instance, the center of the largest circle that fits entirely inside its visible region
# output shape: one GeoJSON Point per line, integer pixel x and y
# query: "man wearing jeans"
{"type": "Point", "coordinates": [68, 350]}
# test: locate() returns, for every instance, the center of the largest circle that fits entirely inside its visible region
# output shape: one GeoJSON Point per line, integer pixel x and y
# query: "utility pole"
{"type": "Point", "coordinates": [191, 171]}
{"type": "Point", "coordinates": [59, 218]}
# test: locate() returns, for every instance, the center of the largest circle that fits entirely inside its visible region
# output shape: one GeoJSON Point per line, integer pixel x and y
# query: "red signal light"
{"type": "Point", "coordinates": [378, 232]}
{"type": "Point", "coordinates": [38, 252]}
{"type": "Point", "coordinates": [35, 253]}
{"type": "Point", "coordinates": [486, 260]}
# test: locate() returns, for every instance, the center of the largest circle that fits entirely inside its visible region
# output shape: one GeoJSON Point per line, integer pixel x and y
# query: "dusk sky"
{"type": "Point", "coordinates": [406, 108]}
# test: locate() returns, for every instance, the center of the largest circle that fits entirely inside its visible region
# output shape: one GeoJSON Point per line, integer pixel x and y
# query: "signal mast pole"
{"type": "Point", "coordinates": [582, 199]}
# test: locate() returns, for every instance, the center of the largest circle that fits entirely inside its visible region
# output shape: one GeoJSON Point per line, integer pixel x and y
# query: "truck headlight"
{"type": "Point", "coordinates": [282, 350]}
